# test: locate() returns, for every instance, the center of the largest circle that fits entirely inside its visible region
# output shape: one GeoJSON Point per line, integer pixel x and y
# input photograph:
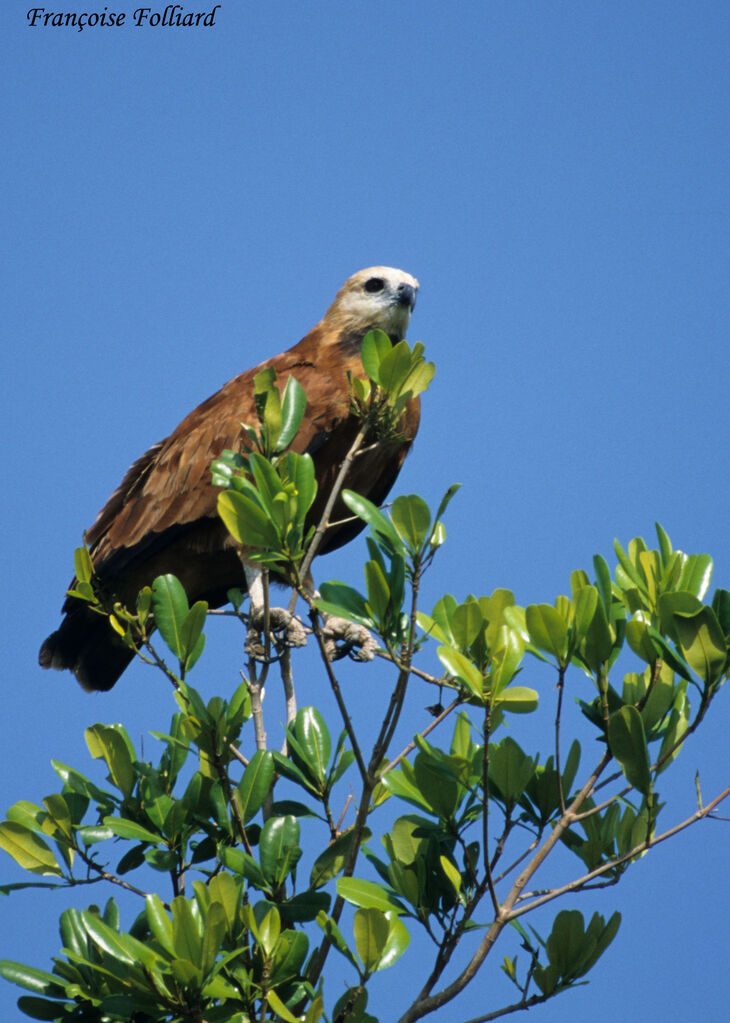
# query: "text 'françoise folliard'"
{"type": "Point", "coordinates": [173, 16]}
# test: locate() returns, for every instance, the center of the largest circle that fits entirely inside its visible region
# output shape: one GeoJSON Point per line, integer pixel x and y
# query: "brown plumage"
{"type": "Point", "coordinates": [162, 517]}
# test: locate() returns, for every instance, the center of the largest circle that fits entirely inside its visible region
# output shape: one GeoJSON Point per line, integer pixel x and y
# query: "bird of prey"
{"type": "Point", "coordinates": [162, 518]}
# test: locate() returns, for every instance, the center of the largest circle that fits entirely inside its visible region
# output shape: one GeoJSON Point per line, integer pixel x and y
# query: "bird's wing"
{"type": "Point", "coordinates": [170, 485]}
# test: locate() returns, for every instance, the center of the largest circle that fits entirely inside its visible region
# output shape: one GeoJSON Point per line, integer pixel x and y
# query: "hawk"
{"type": "Point", "coordinates": [162, 517]}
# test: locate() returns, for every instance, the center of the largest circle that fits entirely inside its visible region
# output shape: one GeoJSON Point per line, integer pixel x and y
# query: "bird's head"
{"type": "Point", "coordinates": [380, 297]}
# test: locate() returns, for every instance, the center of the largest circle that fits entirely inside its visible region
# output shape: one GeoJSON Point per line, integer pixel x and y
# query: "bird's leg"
{"type": "Point", "coordinates": [343, 638]}
{"type": "Point", "coordinates": [347, 639]}
{"type": "Point", "coordinates": [284, 626]}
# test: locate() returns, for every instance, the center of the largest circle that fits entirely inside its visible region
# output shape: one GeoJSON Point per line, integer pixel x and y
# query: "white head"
{"type": "Point", "coordinates": [378, 297]}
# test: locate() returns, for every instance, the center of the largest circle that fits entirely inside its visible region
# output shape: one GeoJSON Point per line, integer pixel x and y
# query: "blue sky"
{"type": "Point", "coordinates": [179, 204]}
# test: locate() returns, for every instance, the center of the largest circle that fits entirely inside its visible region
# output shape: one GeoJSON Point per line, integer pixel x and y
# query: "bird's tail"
{"type": "Point", "coordinates": [86, 645]}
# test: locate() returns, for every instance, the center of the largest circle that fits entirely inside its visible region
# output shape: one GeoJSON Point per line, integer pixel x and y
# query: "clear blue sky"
{"type": "Point", "coordinates": [178, 204]}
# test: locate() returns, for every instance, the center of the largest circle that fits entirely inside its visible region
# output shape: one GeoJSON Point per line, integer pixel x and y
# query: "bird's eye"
{"type": "Point", "coordinates": [374, 284]}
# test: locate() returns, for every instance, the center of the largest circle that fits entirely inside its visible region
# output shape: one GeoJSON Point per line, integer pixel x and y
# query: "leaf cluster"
{"type": "Point", "coordinates": [395, 375]}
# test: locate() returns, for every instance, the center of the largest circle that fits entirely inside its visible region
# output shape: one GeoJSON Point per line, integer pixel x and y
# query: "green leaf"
{"type": "Point", "coordinates": [255, 784]}
{"type": "Point", "coordinates": [402, 783]}
{"type": "Point", "coordinates": [300, 471]}
{"type": "Point", "coordinates": [314, 741]}
{"type": "Point", "coordinates": [28, 849]}
{"type": "Point", "coordinates": [397, 941]}
{"type": "Point", "coordinates": [187, 931]}
{"type": "Point", "coordinates": [696, 574]}
{"type": "Point", "coordinates": [375, 346]}
{"type": "Point", "coordinates": [192, 639]}
{"type": "Point", "coordinates": [332, 861]}
{"type": "Point", "coordinates": [368, 894]}
{"type": "Point", "coordinates": [370, 928]}
{"type": "Point", "coordinates": [466, 622]}
{"type": "Point", "coordinates": [279, 1008]}
{"type": "Point", "coordinates": [452, 874]}
{"type": "Point", "coordinates": [41, 1008]}
{"type": "Point", "coordinates": [394, 369]}
{"type": "Point", "coordinates": [463, 669]}
{"type": "Point", "coordinates": [627, 742]}
{"type": "Point", "coordinates": [29, 977]}
{"type": "Point", "coordinates": [584, 601]}
{"type": "Point", "coordinates": [343, 601]}
{"type": "Point", "coordinates": [702, 643]}
{"type": "Point", "coordinates": [170, 607]}
{"type": "Point", "coordinates": [268, 404]}
{"type": "Point", "coordinates": [371, 514]}
{"type": "Point", "coordinates": [510, 769]}
{"type": "Point", "coordinates": [293, 406]}
{"type": "Point", "coordinates": [82, 565]}
{"type": "Point", "coordinates": [412, 519]}
{"type": "Point", "coordinates": [509, 649]}
{"type": "Point", "coordinates": [441, 791]}
{"type": "Point", "coordinates": [335, 936]}
{"type": "Point", "coordinates": [675, 730]}
{"type": "Point", "coordinates": [159, 923]}
{"type": "Point", "coordinates": [120, 947]}
{"type": "Point", "coordinates": [278, 848]}
{"type": "Point", "coordinates": [378, 591]}
{"type": "Point", "coordinates": [445, 500]}
{"type": "Point", "coordinates": [130, 829]}
{"type": "Point", "coordinates": [246, 521]}
{"type": "Point", "coordinates": [547, 630]}
{"type": "Point", "coordinates": [112, 745]}
{"type": "Point", "coordinates": [639, 639]}
{"type": "Point", "coordinates": [598, 641]}
{"type": "Point", "coordinates": [214, 930]}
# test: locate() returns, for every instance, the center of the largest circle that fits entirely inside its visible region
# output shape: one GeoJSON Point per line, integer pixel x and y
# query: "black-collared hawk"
{"type": "Point", "coordinates": [162, 518]}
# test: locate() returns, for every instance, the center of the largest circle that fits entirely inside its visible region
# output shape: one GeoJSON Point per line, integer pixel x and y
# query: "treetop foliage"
{"type": "Point", "coordinates": [265, 870]}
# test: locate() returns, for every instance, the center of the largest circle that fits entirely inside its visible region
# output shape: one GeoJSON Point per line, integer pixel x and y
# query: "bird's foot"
{"type": "Point", "coordinates": [347, 639]}
{"type": "Point", "coordinates": [285, 628]}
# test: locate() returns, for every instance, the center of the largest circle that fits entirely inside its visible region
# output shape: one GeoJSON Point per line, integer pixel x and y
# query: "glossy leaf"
{"type": "Point", "coordinates": [375, 346]}
{"type": "Point", "coordinates": [255, 784]}
{"type": "Point", "coordinates": [585, 599]}
{"type": "Point", "coordinates": [192, 640]}
{"type": "Point", "coordinates": [332, 861]}
{"type": "Point", "coordinates": [463, 669]}
{"type": "Point", "coordinates": [31, 979]}
{"type": "Point", "coordinates": [639, 639]}
{"type": "Point", "coordinates": [314, 739]}
{"type": "Point", "coordinates": [132, 830]}
{"type": "Point", "coordinates": [293, 406]}
{"type": "Point", "coordinates": [378, 591]}
{"type": "Point", "coordinates": [547, 629]}
{"type": "Point", "coordinates": [368, 894]}
{"type": "Point", "coordinates": [517, 700]}
{"type": "Point", "coordinates": [702, 643]}
{"type": "Point", "coordinates": [598, 641]}
{"type": "Point", "coordinates": [28, 849]}
{"type": "Point", "coordinates": [412, 519]}
{"type": "Point", "coordinates": [371, 514]}
{"type": "Point", "coordinates": [336, 937]}
{"type": "Point", "coordinates": [370, 928]}
{"type": "Point", "coordinates": [627, 742]}
{"type": "Point", "coordinates": [246, 521]}
{"type": "Point", "coordinates": [170, 607]}
{"type": "Point", "coordinates": [278, 848]}
{"type": "Point", "coordinates": [466, 621]}
{"type": "Point", "coordinates": [111, 743]}
{"type": "Point", "coordinates": [343, 601]}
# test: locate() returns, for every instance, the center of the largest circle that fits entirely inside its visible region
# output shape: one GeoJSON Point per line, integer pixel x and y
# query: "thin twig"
{"type": "Point", "coordinates": [324, 520]}
{"type": "Point", "coordinates": [648, 842]}
{"type": "Point", "coordinates": [411, 745]}
{"type": "Point", "coordinates": [561, 686]}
